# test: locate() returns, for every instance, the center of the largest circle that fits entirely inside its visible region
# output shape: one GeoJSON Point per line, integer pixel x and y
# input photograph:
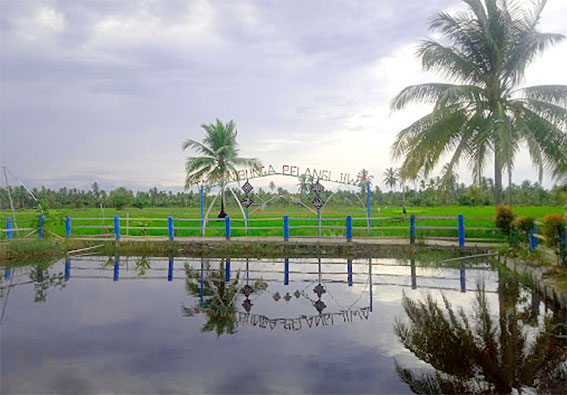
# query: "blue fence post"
{"type": "Point", "coordinates": [463, 278]}
{"type": "Point", "coordinates": [461, 230]}
{"type": "Point", "coordinates": [349, 228]}
{"type": "Point", "coordinates": [7, 272]}
{"type": "Point", "coordinates": [117, 268]}
{"type": "Point", "coordinates": [535, 238]}
{"type": "Point", "coordinates": [286, 271]}
{"type": "Point", "coordinates": [349, 271]}
{"type": "Point", "coordinates": [40, 225]}
{"type": "Point", "coordinates": [67, 226]}
{"type": "Point", "coordinates": [202, 212]}
{"type": "Point", "coordinates": [286, 228]}
{"type": "Point", "coordinates": [170, 270]}
{"type": "Point", "coordinates": [227, 274]}
{"type": "Point", "coordinates": [170, 227]}
{"type": "Point", "coordinates": [412, 228]}
{"type": "Point", "coordinates": [318, 222]}
{"type": "Point", "coordinates": [532, 238]}
{"type": "Point", "coordinates": [227, 228]}
{"type": "Point", "coordinates": [67, 268]}
{"type": "Point", "coordinates": [9, 234]}
{"type": "Point", "coordinates": [117, 227]}
{"type": "Point", "coordinates": [368, 208]}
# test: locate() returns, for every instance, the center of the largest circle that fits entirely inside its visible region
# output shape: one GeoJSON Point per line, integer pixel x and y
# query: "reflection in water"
{"type": "Point", "coordinates": [217, 297]}
{"type": "Point", "coordinates": [478, 355]}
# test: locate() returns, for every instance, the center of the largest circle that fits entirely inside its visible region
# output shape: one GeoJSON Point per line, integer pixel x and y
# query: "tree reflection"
{"type": "Point", "coordinates": [43, 280]}
{"type": "Point", "coordinates": [219, 298]}
{"type": "Point", "coordinates": [478, 355]}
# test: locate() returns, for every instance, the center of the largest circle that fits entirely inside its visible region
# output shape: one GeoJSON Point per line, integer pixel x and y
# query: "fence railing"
{"type": "Point", "coordinates": [412, 227]}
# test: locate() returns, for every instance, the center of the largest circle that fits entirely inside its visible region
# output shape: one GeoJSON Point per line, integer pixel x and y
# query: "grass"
{"type": "Point", "coordinates": [478, 221]}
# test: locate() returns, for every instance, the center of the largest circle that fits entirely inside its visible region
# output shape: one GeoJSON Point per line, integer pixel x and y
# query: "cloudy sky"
{"type": "Point", "coordinates": [107, 91]}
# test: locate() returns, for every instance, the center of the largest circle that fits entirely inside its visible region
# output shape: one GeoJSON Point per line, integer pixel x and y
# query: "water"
{"type": "Point", "coordinates": [186, 325]}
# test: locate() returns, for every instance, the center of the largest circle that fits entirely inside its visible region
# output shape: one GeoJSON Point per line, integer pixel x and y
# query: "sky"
{"type": "Point", "coordinates": [107, 91]}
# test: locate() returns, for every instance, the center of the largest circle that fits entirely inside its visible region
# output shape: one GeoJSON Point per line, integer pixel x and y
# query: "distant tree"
{"type": "Point", "coordinates": [219, 155]}
{"type": "Point", "coordinates": [120, 197]}
{"type": "Point", "coordinates": [363, 178]}
{"type": "Point", "coordinates": [391, 178]}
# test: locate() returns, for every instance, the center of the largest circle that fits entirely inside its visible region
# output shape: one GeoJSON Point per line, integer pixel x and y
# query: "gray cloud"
{"type": "Point", "coordinates": [111, 89]}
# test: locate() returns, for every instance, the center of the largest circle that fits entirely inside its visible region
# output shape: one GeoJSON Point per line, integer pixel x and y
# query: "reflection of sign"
{"type": "Point", "coordinates": [317, 188]}
{"type": "Point", "coordinates": [246, 201]}
{"type": "Point", "coordinates": [295, 324]}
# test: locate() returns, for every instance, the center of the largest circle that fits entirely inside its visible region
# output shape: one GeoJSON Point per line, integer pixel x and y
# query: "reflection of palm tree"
{"type": "Point", "coordinates": [475, 357]}
{"type": "Point", "coordinates": [219, 299]}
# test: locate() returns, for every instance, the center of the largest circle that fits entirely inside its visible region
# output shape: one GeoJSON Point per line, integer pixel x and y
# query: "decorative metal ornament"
{"type": "Point", "coordinates": [318, 202]}
{"type": "Point", "coordinates": [247, 187]}
{"type": "Point", "coordinates": [246, 201]}
{"type": "Point", "coordinates": [317, 188]}
{"type": "Point", "coordinates": [297, 294]}
{"type": "Point", "coordinates": [287, 297]}
{"type": "Point", "coordinates": [277, 296]}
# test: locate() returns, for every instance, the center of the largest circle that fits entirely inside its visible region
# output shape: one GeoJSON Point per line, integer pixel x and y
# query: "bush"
{"type": "Point", "coordinates": [524, 225]}
{"type": "Point", "coordinates": [504, 218]}
{"type": "Point", "coordinates": [553, 228]}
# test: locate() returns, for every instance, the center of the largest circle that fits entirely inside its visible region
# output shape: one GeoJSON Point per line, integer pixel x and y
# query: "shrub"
{"type": "Point", "coordinates": [504, 218]}
{"type": "Point", "coordinates": [553, 228]}
{"type": "Point", "coordinates": [524, 225]}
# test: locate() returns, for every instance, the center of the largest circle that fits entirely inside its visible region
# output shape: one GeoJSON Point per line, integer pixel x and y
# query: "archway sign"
{"type": "Point", "coordinates": [340, 178]}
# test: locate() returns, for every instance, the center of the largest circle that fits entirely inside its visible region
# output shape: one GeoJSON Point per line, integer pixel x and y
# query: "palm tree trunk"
{"type": "Point", "coordinates": [222, 213]}
{"type": "Point", "coordinates": [497, 180]}
{"type": "Point", "coordinates": [509, 185]}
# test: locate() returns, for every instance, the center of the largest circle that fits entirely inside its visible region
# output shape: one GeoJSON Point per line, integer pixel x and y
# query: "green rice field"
{"type": "Point", "coordinates": [389, 222]}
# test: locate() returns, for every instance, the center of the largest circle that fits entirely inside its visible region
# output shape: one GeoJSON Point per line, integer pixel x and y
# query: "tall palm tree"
{"type": "Point", "coordinates": [391, 177]}
{"type": "Point", "coordinates": [305, 184]}
{"type": "Point", "coordinates": [220, 155]}
{"type": "Point", "coordinates": [485, 52]}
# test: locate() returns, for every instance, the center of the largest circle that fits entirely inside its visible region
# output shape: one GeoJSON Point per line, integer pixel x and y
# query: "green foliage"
{"type": "Point", "coordinates": [120, 197]}
{"type": "Point", "coordinates": [504, 218]}
{"type": "Point", "coordinates": [524, 224]}
{"type": "Point", "coordinates": [481, 113]}
{"type": "Point", "coordinates": [553, 229]}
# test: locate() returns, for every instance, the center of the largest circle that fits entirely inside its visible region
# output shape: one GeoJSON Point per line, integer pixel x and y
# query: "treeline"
{"type": "Point", "coordinates": [432, 194]}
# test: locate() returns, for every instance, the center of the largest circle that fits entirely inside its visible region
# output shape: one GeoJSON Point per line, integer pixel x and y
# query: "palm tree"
{"type": "Point", "coordinates": [305, 184]}
{"type": "Point", "coordinates": [485, 52]}
{"type": "Point", "coordinates": [363, 178]}
{"type": "Point", "coordinates": [391, 177]}
{"type": "Point", "coordinates": [219, 151]}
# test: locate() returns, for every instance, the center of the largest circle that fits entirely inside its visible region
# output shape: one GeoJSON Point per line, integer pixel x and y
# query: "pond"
{"type": "Point", "coordinates": [320, 325]}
